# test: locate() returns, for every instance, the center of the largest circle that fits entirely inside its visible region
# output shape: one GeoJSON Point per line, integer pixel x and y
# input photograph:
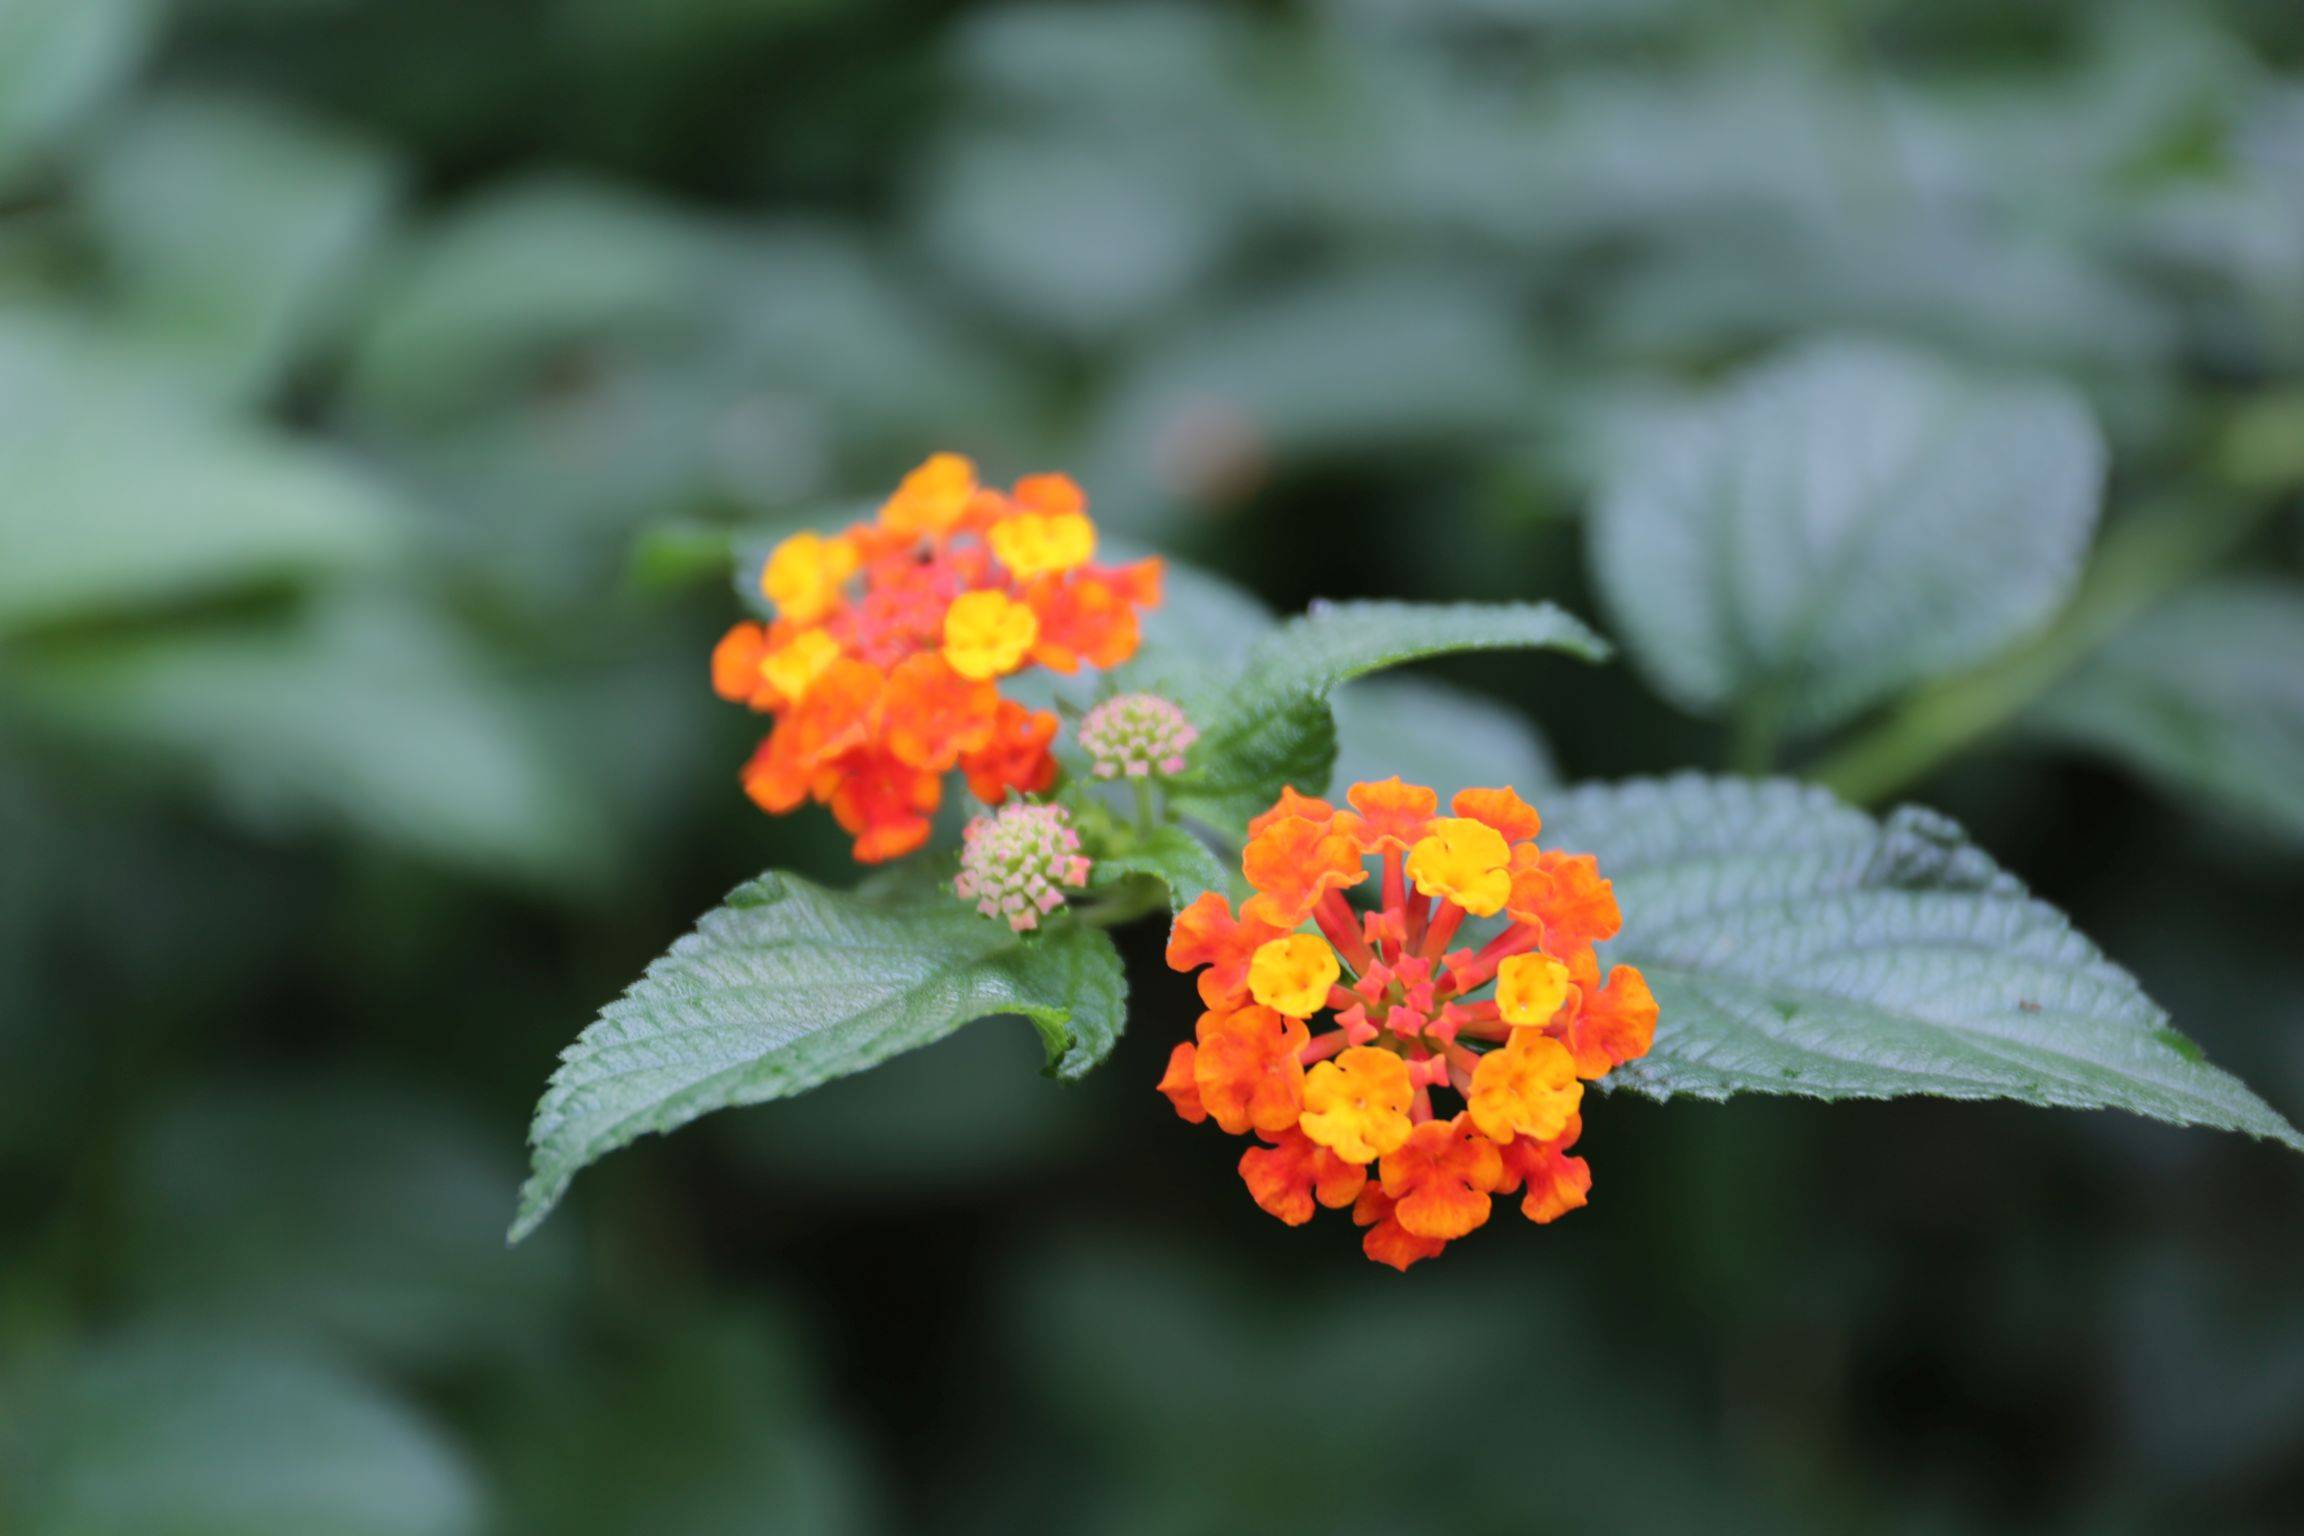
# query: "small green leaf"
{"type": "Point", "coordinates": [1271, 726]}
{"type": "Point", "coordinates": [790, 985]}
{"type": "Point", "coordinates": [2206, 695]}
{"type": "Point", "coordinates": [1841, 524]}
{"type": "Point", "coordinates": [1797, 946]}
{"type": "Point", "coordinates": [1171, 855]}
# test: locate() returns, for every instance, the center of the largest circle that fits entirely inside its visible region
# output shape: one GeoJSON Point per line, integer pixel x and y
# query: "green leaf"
{"type": "Point", "coordinates": [1392, 359]}
{"type": "Point", "coordinates": [1430, 733]}
{"type": "Point", "coordinates": [232, 233]}
{"type": "Point", "coordinates": [508, 279]}
{"type": "Point", "coordinates": [1797, 946]}
{"type": "Point", "coordinates": [789, 986]}
{"type": "Point", "coordinates": [701, 1422]}
{"type": "Point", "coordinates": [365, 1215]}
{"type": "Point", "coordinates": [376, 715]}
{"type": "Point", "coordinates": [168, 1435]}
{"type": "Point", "coordinates": [1270, 726]}
{"type": "Point", "coordinates": [112, 497]}
{"type": "Point", "coordinates": [1203, 623]}
{"type": "Point", "coordinates": [2206, 695]}
{"type": "Point", "coordinates": [1840, 524]}
{"type": "Point", "coordinates": [59, 61]}
{"type": "Point", "coordinates": [1171, 855]}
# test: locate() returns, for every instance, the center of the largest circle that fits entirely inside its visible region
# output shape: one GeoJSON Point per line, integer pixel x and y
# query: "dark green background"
{"type": "Point", "coordinates": [307, 873]}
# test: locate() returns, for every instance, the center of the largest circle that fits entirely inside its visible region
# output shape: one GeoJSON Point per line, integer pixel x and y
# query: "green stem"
{"type": "Point", "coordinates": [2141, 561]}
{"type": "Point", "coordinates": [1752, 738]}
{"type": "Point", "coordinates": [1147, 814]}
{"type": "Point", "coordinates": [1129, 900]}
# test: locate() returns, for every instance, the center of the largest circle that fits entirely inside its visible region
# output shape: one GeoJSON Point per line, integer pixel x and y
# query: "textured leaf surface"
{"type": "Point", "coordinates": [1798, 946]}
{"type": "Point", "coordinates": [2207, 696]}
{"type": "Point", "coordinates": [1271, 725]}
{"type": "Point", "coordinates": [1170, 855]}
{"type": "Point", "coordinates": [1841, 524]}
{"type": "Point", "coordinates": [790, 985]}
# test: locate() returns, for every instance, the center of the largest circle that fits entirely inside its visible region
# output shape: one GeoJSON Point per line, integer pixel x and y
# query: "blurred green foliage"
{"type": "Point", "coordinates": [382, 386]}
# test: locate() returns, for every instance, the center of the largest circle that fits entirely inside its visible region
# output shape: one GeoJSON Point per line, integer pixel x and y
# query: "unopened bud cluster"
{"type": "Point", "coordinates": [1136, 736]}
{"type": "Point", "coordinates": [1016, 863]}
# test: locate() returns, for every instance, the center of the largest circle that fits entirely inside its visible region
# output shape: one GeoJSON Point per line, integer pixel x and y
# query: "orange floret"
{"type": "Point", "coordinates": [1247, 1069]}
{"type": "Point", "coordinates": [1287, 1177]}
{"type": "Point", "coordinates": [1015, 756]}
{"type": "Point", "coordinates": [1292, 806]}
{"type": "Point", "coordinates": [1182, 1088]}
{"type": "Point", "coordinates": [1564, 896]}
{"type": "Point", "coordinates": [1440, 1178]}
{"type": "Point", "coordinates": [1386, 1241]}
{"type": "Point", "coordinates": [1556, 1182]}
{"type": "Point", "coordinates": [1089, 615]}
{"type": "Point", "coordinates": [736, 674]}
{"type": "Point", "coordinates": [1052, 494]}
{"type": "Point", "coordinates": [1292, 863]}
{"type": "Point", "coordinates": [1206, 934]}
{"type": "Point", "coordinates": [1392, 815]}
{"type": "Point", "coordinates": [1514, 819]}
{"type": "Point", "coordinates": [884, 804]}
{"type": "Point", "coordinates": [932, 714]}
{"type": "Point", "coordinates": [1607, 1025]}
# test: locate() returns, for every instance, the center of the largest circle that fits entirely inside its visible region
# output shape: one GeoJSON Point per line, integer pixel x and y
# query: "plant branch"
{"type": "Point", "coordinates": [2141, 561]}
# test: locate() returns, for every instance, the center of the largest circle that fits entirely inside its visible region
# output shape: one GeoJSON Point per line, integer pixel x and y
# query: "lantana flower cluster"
{"type": "Point", "coordinates": [882, 666]}
{"type": "Point", "coordinates": [1512, 1026]}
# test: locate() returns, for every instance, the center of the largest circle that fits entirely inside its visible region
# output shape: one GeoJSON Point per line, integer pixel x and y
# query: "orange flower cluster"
{"type": "Point", "coordinates": [1407, 1023]}
{"type": "Point", "coordinates": [882, 667]}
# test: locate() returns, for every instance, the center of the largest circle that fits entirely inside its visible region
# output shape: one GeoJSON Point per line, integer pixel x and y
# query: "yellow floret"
{"type": "Point", "coordinates": [1528, 1088]}
{"type": "Point", "coordinates": [1357, 1105]}
{"type": "Point", "coordinates": [986, 634]}
{"type": "Point", "coordinates": [1293, 975]}
{"type": "Point", "coordinates": [1043, 543]}
{"type": "Point", "coordinates": [1465, 861]}
{"type": "Point", "coordinates": [793, 670]}
{"type": "Point", "coordinates": [804, 574]}
{"type": "Point", "coordinates": [1530, 989]}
